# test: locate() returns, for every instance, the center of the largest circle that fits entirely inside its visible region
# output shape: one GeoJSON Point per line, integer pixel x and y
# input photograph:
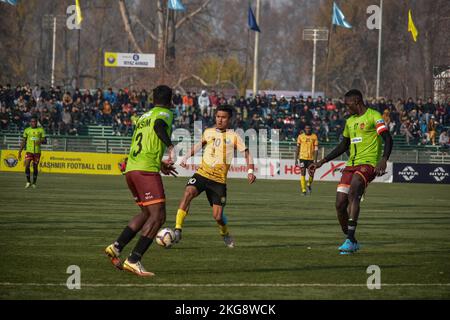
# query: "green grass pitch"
{"type": "Point", "coordinates": [286, 244]}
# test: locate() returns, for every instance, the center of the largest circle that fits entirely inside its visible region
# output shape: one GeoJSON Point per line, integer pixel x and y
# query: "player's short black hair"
{"type": "Point", "coordinates": [226, 108]}
{"type": "Point", "coordinates": [162, 95]}
{"type": "Point", "coordinates": [354, 93]}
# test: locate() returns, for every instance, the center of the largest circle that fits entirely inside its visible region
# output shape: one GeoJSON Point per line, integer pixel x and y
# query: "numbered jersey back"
{"type": "Point", "coordinates": [147, 150]}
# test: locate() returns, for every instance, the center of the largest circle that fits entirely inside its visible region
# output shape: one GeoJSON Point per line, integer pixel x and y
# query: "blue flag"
{"type": "Point", "coordinates": [252, 20]}
{"type": "Point", "coordinates": [339, 18]}
{"type": "Point", "coordinates": [176, 5]}
{"type": "Point", "coordinates": [11, 2]}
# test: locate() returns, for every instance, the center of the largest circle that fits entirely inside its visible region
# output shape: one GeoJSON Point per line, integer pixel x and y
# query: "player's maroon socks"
{"type": "Point", "coordinates": [125, 237]}
{"type": "Point", "coordinates": [28, 173]}
{"type": "Point", "coordinates": [141, 247]}
{"type": "Point", "coordinates": [35, 173]}
{"type": "Point", "coordinates": [351, 230]}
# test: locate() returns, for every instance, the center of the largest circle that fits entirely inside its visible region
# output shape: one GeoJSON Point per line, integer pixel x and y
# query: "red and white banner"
{"type": "Point", "coordinates": [283, 169]}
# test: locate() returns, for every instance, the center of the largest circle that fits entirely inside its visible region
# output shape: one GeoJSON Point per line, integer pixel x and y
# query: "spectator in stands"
{"type": "Point", "coordinates": [188, 102]}
{"type": "Point", "coordinates": [432, 131]}
{"type": "Point", "coordinates": [444, 141]}
{"type": "Point", "coordinates": [4, 118]}
{"type": "Point", "coordinates": [203, 102]}
{"type": "Point", "coordinates": [222, 100]}
{"type": "Point", "coordinates": [177, 101]}
{"type": "Point", "coordinates": [240, 106]}
{"type": "Point", "coordinates": [65, 124]}
{"type": "Point", "coordinates": [107, 113]}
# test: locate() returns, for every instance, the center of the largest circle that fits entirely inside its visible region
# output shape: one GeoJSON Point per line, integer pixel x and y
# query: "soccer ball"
{"type": "Point", "coordinates": [165, 237]}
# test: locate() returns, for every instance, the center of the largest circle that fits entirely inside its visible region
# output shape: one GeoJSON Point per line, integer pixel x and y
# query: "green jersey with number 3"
{"type": "Point", "coordinates": [365, 143]}
{"type": "Point", "coordinates": [147, 149]}
{"type": "Point", "coordinates": [33, 137]}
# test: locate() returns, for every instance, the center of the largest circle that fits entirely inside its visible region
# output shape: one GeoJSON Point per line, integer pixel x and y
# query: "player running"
{"type": "Point", "coordinates": [306, 154]}
{"type": "Point", "coordinates": [150, 139]}
{"type": "Point", "coordinates": [219, 143]}
{"type": "Point", "coordinates": [33, 138]}
{"type": "Point", "coordinates": [362, 136]}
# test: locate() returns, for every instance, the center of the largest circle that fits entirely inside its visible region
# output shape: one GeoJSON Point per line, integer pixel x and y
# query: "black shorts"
{"type": "Point", "coordinates": [215, 192]}
{"type": "Point", "coordinates": [305, 163]}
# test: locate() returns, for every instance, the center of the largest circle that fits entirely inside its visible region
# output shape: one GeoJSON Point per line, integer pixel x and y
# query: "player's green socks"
{"type": "Point", "coordinates": [303, 183]}
{"type": "Point", "coordinates": [310, 181]}
{"type": "Point", "coordinates": [351, 230]}
{"type": "Point", "coordinates": [181, 214]}
{"type": "Point", "coordinates": [223, 230]}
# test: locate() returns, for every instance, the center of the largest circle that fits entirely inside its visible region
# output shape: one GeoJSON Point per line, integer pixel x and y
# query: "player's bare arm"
{"type": "Point", "coordinates": [297, 151]}
{"type": "Point", "coordinates": [197, 147]}
{"type": "Point", "coordinates": [251, 167]}
{"type": "Point", "coordinates": [336, 152]}
{"type": "Point", "coordinates": [161, 132]}
{"type": "Point", "coordinates": [22, 146]}
{"type": "Point", "coordinates": [380, 169]}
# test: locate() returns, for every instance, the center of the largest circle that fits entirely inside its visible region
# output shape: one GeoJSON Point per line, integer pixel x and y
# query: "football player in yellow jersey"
{"type": "Point", "coordinates": [306, 154]}
{"type": "Point", "coordinates": [219, 144]}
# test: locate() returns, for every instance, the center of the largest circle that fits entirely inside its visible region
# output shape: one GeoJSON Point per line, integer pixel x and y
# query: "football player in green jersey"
{"type": "Point", "coordinates": [150, 139]}
{"type": "Point", "coordinates": [33, 138]}
{"type": "Point", "coordinates": [363, 135]}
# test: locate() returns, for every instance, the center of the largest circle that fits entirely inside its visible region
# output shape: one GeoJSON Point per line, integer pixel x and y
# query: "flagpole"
{"type": "Point", "coordinates": [53, 51]}
{"type": "Point", "coordinates": [255, 60]}
{"type": "Point", "coordinates": [379, 50]}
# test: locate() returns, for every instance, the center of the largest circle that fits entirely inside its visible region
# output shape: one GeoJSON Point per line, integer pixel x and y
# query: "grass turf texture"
{"type": "Point", "coordinates": [281, 238]}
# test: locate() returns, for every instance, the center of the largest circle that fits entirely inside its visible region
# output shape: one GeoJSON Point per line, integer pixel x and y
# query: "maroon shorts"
{"type": "Point", "coordinates": [35, 157]}
{"type": "Point", "coordinates": [366, 171]}
{"type": "Point", "coordinates": [147, 187]}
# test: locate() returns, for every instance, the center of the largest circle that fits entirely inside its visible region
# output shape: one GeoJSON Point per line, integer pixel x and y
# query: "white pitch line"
{"type": "Point", "coordinates": [287, 285]}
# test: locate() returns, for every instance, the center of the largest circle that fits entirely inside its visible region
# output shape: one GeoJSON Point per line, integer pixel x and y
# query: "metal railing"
{"type": "Point", "coordinates": [121, 145]}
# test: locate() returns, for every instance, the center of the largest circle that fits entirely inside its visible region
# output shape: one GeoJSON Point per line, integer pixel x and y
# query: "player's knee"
{"type": "Point", "coordinates": [341, 205]}
{"type": "Point", "coordinates": [354, 194]}
{"type": "Point", "coordinates": [189, 194]}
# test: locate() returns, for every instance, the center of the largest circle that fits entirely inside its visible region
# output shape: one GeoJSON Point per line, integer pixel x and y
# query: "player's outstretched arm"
{"type": "Point", "coordinates": [380, 169]}
{"type": "Point", "coordinates": [197, 147]}
{"type": "Point", "coordinates": [336, 152]}
{"type": "Point", "coordinates": [251, 166]}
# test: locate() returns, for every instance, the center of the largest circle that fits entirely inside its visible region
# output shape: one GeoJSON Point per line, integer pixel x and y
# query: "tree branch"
{"type": "Point", "coordinates": [147, 30]}
{"type": "Point", "coordinates": [126, 21]}
{"type": "Point", "coordinates": [192, 14]}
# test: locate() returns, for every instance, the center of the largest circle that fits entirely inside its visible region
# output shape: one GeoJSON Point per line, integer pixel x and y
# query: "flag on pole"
{"type": "Point", "coordinates": [339, 18]}
{"type": "Point", "coordinates": [79, 17]}
{"type": "Point", "coordinates": [252, 20]}
{"type": "Point", "coordinates": [176, 5]}
{"type": "Point", "coordinates": [411, 27]}
{"type": "Point", "coordinates": [11, 2]}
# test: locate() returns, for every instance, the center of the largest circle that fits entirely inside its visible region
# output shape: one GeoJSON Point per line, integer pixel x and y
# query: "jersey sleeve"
{"type": "Point", "coordinates": [346, 134]}
{"type": "Point", "coordinates": [239, 143]}
{"type": "Point", "coordinates": [166, 116]}
{"type": "Point", "coordinates": [380, 125]}
{"type": "Point", "coordinates": [42, 133]}
{"type": "Point", "coordinates": [25, 133]}
{"type": "Point", "coordinates": [299, 139]}
{"type": "Point", "coordinates": [315, 141]}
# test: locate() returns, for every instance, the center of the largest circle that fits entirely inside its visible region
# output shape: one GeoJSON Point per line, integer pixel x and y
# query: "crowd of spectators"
{"type": "Point", "coordinates": [63, 113]}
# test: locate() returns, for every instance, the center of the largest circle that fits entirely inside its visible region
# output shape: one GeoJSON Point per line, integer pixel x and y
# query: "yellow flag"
{"type": "Point", "coordinates": [412, 27]}
{"type": "Point", "coordinates": [79, 17]}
